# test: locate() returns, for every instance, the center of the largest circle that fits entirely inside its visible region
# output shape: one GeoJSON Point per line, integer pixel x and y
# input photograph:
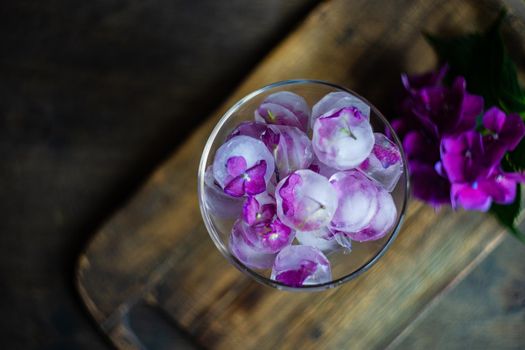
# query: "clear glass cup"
{"type": "Point", "coordinates": [345, 266]}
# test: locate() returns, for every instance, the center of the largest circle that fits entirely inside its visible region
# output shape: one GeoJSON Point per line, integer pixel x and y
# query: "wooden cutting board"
{"type": "Point", "coordinates": [156, 252]}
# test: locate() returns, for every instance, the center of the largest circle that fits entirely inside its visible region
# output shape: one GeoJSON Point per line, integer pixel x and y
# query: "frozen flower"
{"type": "Point", "coordinates": [335, 101]}
{"type": "Point", "coordinates": [305, 200]}
{"type": "Point", "coordinates": [258, 209]}
{"type": "Point", "coordinates": [243, 166]}
{"type": "Point", "coordinates": [299, 265]}
{"type": "Point", "coordinates": [384, 164]}
{"type": "Point", "coordinates": [290, 147]}
{"type": "Point", "coordinates": [284, 108]}
{"type": "Point", "coordinates": [342, 139]}
{"type": "Point", "coordinates": [252, 129]}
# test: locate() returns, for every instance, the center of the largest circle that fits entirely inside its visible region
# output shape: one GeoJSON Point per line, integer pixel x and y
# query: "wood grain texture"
{"type": "Point", "coordinates": [157, 248]}
{"type": "Point", "coordinates": [486, 311]}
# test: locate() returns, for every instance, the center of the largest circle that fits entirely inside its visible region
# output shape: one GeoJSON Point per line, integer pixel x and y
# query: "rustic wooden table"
{"type": "Point", "coordinates": [153, 259]}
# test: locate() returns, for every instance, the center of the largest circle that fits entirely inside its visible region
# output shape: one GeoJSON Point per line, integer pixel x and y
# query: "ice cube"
{"type": "Point", "coordinates": [384, 164]}
{"type": "Point", "coordinates": [357, 201]}
{"type": "Point", "coordinates": [322, 239]}
{"type": "Point", "coordinates": [258, 209]}
{"type": "Point", "coordinates": [342, 139]}
{"type": "Point", "coordinates": [299, 265]}
{"type": "Point", "coordinates": [284, 108]}
{"type": "Point", "coordinates": [381, 223]}
{"type": "Point", "coordinates": [291, 148]}
{"type": "Point", "coordinates": [306, 201]}
{"type": "Point", "coordinates": [252, 129]}
{"type": "Point", "coordinates": [336, 101]}
{"type": "Point", "coordinates": [243, 166]}
{"type": "Point", "coordinates": [216, 201]}
{"type": "Point", "coordinates": [244, 250]}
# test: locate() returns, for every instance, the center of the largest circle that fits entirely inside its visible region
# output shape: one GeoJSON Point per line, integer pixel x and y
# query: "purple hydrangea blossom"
{"type": "Point", "coordinates": [259, 209]}
{"type": "Point", "coordinates": [431, 111]}
{"type": "Point", "coordinates": [243, 166]}
{"type": "Point", "coordinates": [504, 132]}
{"type": "Point", "coordinates": [247, 251]}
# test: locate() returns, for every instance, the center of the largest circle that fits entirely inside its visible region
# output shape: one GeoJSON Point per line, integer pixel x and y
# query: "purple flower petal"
{"type": "Point", "coordinates": [357, 201]}
{"type": "Point", "coordinates": [300, 265]}
{"type": "Point", "coordinates": [470, 197]}
{"type": "Point", "coordinates": [428, 185]}
{"type": "Point", "coordinates": [235, 165]}
{"type": "Point", "coordinates": [238, 153]}
{"type": "Point", "coordinates": [464, 158]}
{"type": "Point", "coordinates": [235, 187]}
{"type": "Point", "coordinates": [254, 181]}
{"type": "Point", "coordinates": [246, 251]}
{"type": "Point", "coordinates": [296, 278]}
{"type": "Point", "coordinates": [250, 210]}
{"type": "Point", "coordinates": [306, 201]}
{"type": "Point", "coordinates": [336, 101]}
{"type": "Point", "coordinates": [342, 139]}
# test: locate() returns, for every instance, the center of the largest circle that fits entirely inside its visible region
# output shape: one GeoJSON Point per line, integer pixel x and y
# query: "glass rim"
{"type": "Point", "coordinates": [222, 247]}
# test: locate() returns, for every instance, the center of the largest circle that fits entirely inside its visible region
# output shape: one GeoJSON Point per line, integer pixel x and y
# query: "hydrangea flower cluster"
{"type": "Point", "coordinates": [455, 148]}
{"type": "Point", "coordinates": [297, 199]}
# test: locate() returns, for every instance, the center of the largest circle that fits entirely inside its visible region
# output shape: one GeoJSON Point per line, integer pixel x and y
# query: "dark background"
{"type": "Point", "coordinates": [93, 95]}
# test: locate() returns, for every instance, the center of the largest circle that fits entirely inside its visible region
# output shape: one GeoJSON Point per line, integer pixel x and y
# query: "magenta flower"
{"type": "Point", "coordinates": [259, 209]}
{"type": "Point", "coordinates": [245, 180]}
{"type": "Point", "coordinates": [464, 158]}
{"type": "Point", "coordinates": [243, 166]}
{"type": "Point", "coordinates": [299, 265]}
{"type": "Point", "coordinates": [284, 108]}
{"type": "Point", "coordinates": [252, 129]}
{"type": "Point", "coordinates": [505, 132]}
{"type": "Point", "coordinates": [479, 194]}
{"type": "Point", "coordinates": [246, 250]}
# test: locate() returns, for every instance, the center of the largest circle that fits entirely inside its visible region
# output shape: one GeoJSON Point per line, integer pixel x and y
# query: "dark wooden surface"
{"type": "Point", "coordinates": [93, 94]}
{"type": "Point", "coordinates": [154, 255]}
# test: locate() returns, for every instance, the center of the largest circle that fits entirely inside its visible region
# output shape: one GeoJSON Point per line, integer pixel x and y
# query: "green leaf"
{"type": "Point", "coordinates": [507, 214]}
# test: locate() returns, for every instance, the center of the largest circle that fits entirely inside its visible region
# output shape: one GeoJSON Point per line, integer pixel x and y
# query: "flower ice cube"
{"type": "Point", "coordinates": [249, 128]}
{"type": "Point", "coordinates": [322, 239]}
{"type": "Point", "coordinates": [384, 164]}
{"type": "Point", "coordinates": [284, 108]}
{"type": "Point", "coordinates": [290, 147]}
{"type": "Point", "coordinates": [357, 201]}
{"type": "Point", "coordinates": [343, 139]}
{"type": "Point", "coordinates": [299, 265]}
{"type": "Point", "coordinates": [306, 201]}
{"type": "Point", "coordinates": [268, 236]}
{"type": "Point", "coordinates": [244, 250]}
{"type": "Point", "coordinates": [216, 201]}
{"type": "Point", "coordinates": [381, 223]}
{"type": "Point", "coordinates": [336, 101]}
{"type": "Point", "coordinates": [243, 166]}
{"type": "Point", "coordinates": [258, 209]}
{"type": "Point", "coordinates": [321, 168]}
